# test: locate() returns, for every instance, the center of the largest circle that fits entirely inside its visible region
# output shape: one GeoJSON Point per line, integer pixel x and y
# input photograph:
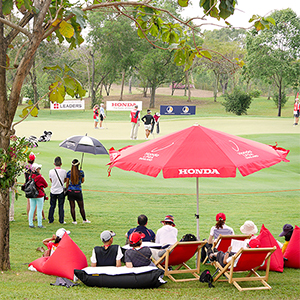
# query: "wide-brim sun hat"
{"type": "Point", "coordinates": [249, 228]}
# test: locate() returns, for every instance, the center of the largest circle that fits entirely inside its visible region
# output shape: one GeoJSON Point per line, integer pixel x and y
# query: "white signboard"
{"type": "Point", "coordinates": [68, 105]}
{"type": "Point", "coordinates": [123, 105]}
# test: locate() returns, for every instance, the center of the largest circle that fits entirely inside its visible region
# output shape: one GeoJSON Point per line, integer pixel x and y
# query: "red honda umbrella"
{"type": "Point", "coordinates": [197, 152]}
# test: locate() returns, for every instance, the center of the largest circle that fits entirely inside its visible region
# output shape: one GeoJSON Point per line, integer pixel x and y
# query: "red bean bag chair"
{"type": "Point", "coordinates": [292, 252]}
{"type": "Point", "coordinates": [265, 239]}
{"type": "Point", "coordinates": [63, 261]}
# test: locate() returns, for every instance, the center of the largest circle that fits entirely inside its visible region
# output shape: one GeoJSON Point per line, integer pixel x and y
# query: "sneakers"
{"type": "Point", "coordinates": [74, 222]}
{"type": "Point", "coordinates": [31, 226]}
{"type": "Point", "coordinates": [86, 221]}
{"type": "Point", "coordinates": [41, 226]}
{"type": "Point", "coordinates": [63, 222]}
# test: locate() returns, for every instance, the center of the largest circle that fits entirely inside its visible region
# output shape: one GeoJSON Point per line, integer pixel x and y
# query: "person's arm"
{"type": "Point", "coordinates": [46, 241]}
{"type": "Point", "coordinates": [210, 239]}
{"type": "Point", "coordinates": [129, 265]}
{"type": "Point", "coordinates": [93, 265]}
{"type": "Point", "coordinates": [118, 263]}
{"type": "Point", "coordinates": [67, 182]}
{"type": "Point", "coordinates": [227, 255]}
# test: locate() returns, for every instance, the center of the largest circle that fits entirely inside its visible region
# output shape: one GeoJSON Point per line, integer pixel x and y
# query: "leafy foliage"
{"type": "Point", "coordinates": [237, 102]}
{"type": "Point", "coordinates": [284, 98]}
{"type": "Point", "coordinates": [255, 93]}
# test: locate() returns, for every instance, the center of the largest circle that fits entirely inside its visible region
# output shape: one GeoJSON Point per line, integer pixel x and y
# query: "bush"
{"type": "Point", "coordinates": [284, 98]}
{"type": "Point", "coordinates": [255, 93]}
{"type": "Point", "coordinates": [237, 102]}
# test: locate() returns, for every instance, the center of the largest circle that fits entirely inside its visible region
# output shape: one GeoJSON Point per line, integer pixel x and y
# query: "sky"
{"type": "Point", "coordinates": [244, 11]}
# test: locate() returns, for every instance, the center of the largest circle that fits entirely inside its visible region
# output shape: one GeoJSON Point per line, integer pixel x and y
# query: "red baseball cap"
{"type": "Point", "coordinates": [136, 237]}
{"type": "Point", "coordinates": [220, 216]}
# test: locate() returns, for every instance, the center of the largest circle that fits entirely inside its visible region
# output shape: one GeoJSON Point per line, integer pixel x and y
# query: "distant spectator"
{"type": "Point", "coordinates": [148, 123]}
{"type": "Point", "coordinates": [135, 122]}
{"type": "Point", "coordinates": [296, 110]}
{"type": "Point", "coordinates": [287, 232]}
{"type": "Point", "coordinates": [156, 117]}
{"type": "Point", "coordinates": [102, 115]}
{"type": "Point", "coordinates": [96, 115]}
{"type": "Point", "coordinates": [108, 254]}
{"type": "Point", "coordinates": [142, 222]}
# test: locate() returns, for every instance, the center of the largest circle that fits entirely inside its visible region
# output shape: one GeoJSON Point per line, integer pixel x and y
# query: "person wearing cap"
{"type": "Point", "coordinates": [137, 256]}
{"type": "Point", "coordinates": [148, 123]}
{"type": "Point", "coordinates": [96, 115]}
{"type": "Point", "coordinates": [37, 202]}
{"type": "Point", "coordinates": [135, 122]}
{"type": "Point", "coordinates": [58, 177]}
{"type": "Point", "coordinates": [102, 115]}
{"type": "Point", "coordinates": [156, 117]}
{"type": "Point", "coordinates": [75, 178]}
{"type": "Point", "coordinates": [296, 110]}
{"type": "Point", "coordinates": [108, 254]}
{"type": "Point", "coordinates": [142, 222]}
{"type": "Point", "coordinates": [287, 232]}
{"type": "Point", "coordinates": [27, 173]}
{"type": "Point", "coordinates": [51, 246]}
{"type": "Point", "coordinates": [167, 234]}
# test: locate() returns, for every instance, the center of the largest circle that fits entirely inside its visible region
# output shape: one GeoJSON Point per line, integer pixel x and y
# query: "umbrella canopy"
{"type": "Point", "coordinates": [197, 152]}
{"type": "Point", "coordinates": [84, 144]}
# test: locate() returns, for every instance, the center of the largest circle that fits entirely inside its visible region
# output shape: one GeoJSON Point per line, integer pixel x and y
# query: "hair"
{"type": "Point", "coordinates": [57, 240]}
{"type": "Point", "coordinates": [75, 173]}
{"type": "Point", "coordinates": [220, 223]}
{"type": "Point", "coordinates": [288, 236]}
{"type": "Point", "coordinates": [57, 161]}
{"type": "Point", "coordinates": [168, 223]}
{"type": "Point", "coordinates": [142, 220]}
{"type": "Point", "coordinates": [30, 161]}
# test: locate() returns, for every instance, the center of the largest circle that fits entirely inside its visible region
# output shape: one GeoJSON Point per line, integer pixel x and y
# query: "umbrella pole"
{"type": "Point", "coordinates": [197, 215]}
{"type": "Point", "coordinates": [81, 161]}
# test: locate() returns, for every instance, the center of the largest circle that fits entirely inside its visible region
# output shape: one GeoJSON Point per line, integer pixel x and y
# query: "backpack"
{"type": "Point", "coordinates": [30, 189]}
{"type": "Point", "coordinates": [206, 277]}
{"type": "Point", "coordinates": [188, 238]}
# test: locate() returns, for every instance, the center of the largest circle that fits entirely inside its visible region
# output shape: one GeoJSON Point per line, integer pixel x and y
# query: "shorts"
{"type": "Point", "coordinates": [75, 195]}
{"type": "Point", "coordinates": [96, 119]}
{"type": "Point", "coordinates": [296, 114]}
{"type": "Point", "coordinates": [148, 127]}
{"type": "Point", "coordinates": [101, 117]}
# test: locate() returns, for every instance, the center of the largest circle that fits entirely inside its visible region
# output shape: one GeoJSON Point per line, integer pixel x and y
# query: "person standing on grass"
{"type": "Point", "coordinates": [296, 110]}
{"type": "Point", "coordinates": [156, 117]}
{"type": "Point", "coordinates": [102, 115]}
{"type": "Point", "coordinates": [96, 115]}
{"type": "Point", "coordinates": [58, 177]}
{"type": "Point", "coordinates": [75, 178]}
{"type": "Point", "coordinates": [135, 122]}
{"type": "Point", "coordinates": [148, 123]}
{"type": "Point", "coordinates": [37, 202]}
{"type": "Point", "coordinates": [108, 254]}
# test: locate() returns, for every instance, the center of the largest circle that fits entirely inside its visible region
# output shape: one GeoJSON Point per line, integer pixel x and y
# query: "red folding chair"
{"type": "Point", "coordinates": [177, 255]}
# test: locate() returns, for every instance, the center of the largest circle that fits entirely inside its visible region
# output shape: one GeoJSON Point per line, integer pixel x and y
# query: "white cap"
{"type": "Point", "coordinates": [36, 166]}
{"type": "Point", "coordinates": [61, 231]}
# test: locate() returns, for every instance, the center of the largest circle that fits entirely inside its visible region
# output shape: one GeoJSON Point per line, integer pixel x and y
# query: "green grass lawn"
{"type": "Point", "coordinates": [269, 197]}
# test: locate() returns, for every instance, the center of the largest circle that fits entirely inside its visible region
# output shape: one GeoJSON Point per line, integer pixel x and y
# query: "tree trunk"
{"type": "Point", "coordinates": [122, 85]}
{"type": "Point", "coordinates": [187, 84]}
{"type": "Point", "coordinates": [129, 84]}
{"type": "Point", "coordinates": [152, 99]}
{"type": "Point", "coordinates": [145, 92]}
{"type": "Point", "coordinates": [279, 100]}
{"type": "Point", "coordinates": [93, 80]}
{"type": "Point", "coordinates": [216, 86]}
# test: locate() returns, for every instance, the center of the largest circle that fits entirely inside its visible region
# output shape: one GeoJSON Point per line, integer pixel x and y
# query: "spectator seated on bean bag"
{"type": "Point", "coordinates": [113, 277]}
{"type": "Point", "coordinates": [63, 261]}
{"type": "Point", "coordinates": [266, 240]}
{"type": "Point", "coordinates": [292, 253]}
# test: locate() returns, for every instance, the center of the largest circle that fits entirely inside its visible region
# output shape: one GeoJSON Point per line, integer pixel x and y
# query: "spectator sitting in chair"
{"type": "Point", "coordinates": [167, 235]}
{"type": "Point", "coordinates": [137, 256]}
{"type": "Point", "coordinates": [142, 222]}
{"type": "Point", "coordinates": [108, 254]}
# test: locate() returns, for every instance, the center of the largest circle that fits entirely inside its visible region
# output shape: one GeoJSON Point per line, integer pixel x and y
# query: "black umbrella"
{"type": "Point", "coordinates": [84, 144]}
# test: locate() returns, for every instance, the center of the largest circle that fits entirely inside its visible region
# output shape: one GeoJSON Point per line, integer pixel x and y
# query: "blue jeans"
{"type": "Point", "coordinates": [38, 203]}
{"type": "Point", "coordinates": [61, 201]}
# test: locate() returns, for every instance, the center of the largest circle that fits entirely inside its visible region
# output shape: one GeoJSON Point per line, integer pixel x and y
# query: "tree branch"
{"type": "Point", "coordinates": [16, 27]}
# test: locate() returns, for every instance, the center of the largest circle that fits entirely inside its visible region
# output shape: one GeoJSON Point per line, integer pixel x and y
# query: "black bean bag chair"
{"type": "Point", "coordinates": [113, 277]}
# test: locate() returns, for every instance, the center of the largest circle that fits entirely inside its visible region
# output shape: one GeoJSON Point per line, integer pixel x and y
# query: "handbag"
{"type": "Point", "coordinates": [30, 189]}
{"type": "Point", "coordinates": [65, 190]}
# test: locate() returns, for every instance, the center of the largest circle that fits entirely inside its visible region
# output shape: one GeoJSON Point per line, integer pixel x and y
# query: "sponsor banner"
{"type": "Point", "coordinates": [68, 105]}
{"type": "Point", "coordinates": [177, 109]}
{"type": "Point", "coordinates": [123, 105]}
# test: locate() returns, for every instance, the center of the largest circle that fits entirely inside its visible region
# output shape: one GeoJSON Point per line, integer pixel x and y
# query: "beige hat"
{"type": "Point", "coordinates": [249, 228]}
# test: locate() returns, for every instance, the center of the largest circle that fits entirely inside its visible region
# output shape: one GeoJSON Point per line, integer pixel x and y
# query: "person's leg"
{"type": "Point", "coordinates": [72, 210]}
{"type": "Point", "coordinates": [53, 198]}
{"type": "Point", "coordinates": [81, 208]}
{"type": "Point", "coordinates": [28, 208]}
{"type": "Point", "coordinates": [101, 121]}
{"type": "Point", "coordinates": [32, 203]}
{"type": "Point", "coordinates": [147, 133]}
{"type": "Point", "coordinates": [133, 131]}
{"type": "Point", "coordinates": [61, 212]}
{"type": "Point", "coordinates": [39, 208]}
{"type": "Point", "coordinates": [157, 127]}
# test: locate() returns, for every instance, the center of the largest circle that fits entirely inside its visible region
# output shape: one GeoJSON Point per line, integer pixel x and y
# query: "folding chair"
{"type": "Point", "coordinates": [178, 255]}
{"type": "Point", "coordinates": [224, 241]}
{"type": "Point", "coordinates": [246, 260]}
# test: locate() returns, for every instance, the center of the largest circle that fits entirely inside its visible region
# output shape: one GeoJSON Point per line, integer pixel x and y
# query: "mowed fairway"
{"type": "Point", "coordinates": [269, 197]}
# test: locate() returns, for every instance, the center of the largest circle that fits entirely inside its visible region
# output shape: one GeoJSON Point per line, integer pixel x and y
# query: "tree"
{"type": "Point", "coordinates": [272, 54]}
{"type": "Point", "coordinates": [65, 21]}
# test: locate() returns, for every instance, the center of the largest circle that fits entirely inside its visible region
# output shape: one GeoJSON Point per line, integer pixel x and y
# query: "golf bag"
{"type": "Point", "coordinates": [46, 137]}
{"type": "Point", "coordinates": [33, 140]}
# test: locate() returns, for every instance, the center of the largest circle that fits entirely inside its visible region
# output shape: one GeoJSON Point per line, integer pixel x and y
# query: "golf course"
{"type": "Point", "coordinates": [269, 196]}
